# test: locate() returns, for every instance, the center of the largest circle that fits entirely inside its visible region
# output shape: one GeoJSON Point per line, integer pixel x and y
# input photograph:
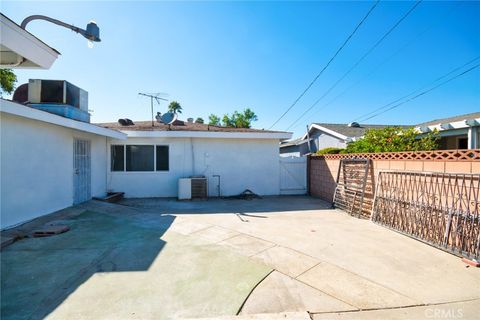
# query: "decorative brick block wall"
{"type": "Point", "coordinates": [322, 170]}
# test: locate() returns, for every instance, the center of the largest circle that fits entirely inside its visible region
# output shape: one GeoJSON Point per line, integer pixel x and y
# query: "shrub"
{"type": "Point", "coordinates": [393, 139]}
{"type": "Point", "coordinates": [329, 150]}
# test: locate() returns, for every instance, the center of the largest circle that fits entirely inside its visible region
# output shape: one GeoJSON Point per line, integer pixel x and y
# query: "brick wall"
{"type": "Point", "coordinates": [322, 170]}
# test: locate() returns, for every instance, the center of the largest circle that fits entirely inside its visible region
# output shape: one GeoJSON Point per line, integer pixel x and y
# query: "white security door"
{"type": "Point", "coordinates": [293, 175]}
{"type": "Point", "coordinates": [81, 171]}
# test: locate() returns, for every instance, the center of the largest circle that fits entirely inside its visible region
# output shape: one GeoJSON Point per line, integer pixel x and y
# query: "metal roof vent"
{"type": "Point", "coordinates": [125, 122]}
{"type": "Point", "coordinates": [354, 125]}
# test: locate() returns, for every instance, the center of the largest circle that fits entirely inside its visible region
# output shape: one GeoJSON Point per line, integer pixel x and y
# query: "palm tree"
{"type": "Point", "coordinates": [174, 107]}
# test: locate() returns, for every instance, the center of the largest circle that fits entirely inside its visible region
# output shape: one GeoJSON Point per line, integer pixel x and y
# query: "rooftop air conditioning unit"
{"type": "Point", "coordinates": [192, 188]}
{"type": "Point", "coordinates": [57, 92]}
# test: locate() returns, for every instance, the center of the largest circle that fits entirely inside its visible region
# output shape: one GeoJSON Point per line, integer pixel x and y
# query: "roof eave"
{"type": "Point", "coordinates": [326, 130]}
{"type": "Point", "coordinates": [447, 126]}
{"type": "Point", "coordinates": [208, 134]}
{"type": "Point", "coordinates": [16, 109]}
{"type": "Point", "coordinates": [31, 52]}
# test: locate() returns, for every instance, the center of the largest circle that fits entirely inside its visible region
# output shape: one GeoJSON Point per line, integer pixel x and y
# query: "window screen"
{"type": "Point", "coordinates": [139, 158]}
{"type": "Point", "coordinates": [117, 158]}
{"type": "Point", "coordinates": [162, 158]}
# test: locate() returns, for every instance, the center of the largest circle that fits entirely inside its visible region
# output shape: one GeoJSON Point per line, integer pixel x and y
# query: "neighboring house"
{"type": "Point", "coordinates": [294, 148]}
{"type": "Point", "coordinates": [152, 159]}
{"type": "Point", "coordinates": [458, 132]}
{"type": "Point", "coordinates": [325, 135]}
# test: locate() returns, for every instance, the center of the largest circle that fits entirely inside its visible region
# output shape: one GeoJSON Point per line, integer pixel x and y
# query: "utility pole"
{"type": "Point", "coordinates": [152, 96]}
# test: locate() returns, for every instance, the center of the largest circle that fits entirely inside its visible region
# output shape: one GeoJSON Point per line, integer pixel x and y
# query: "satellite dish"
{"type": "Point", "coordinates": [169, 117]}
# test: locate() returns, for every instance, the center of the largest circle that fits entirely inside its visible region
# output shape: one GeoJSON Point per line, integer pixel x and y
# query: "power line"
{"type": "Point", "coordinates": [358, 62]}
{"type": "Point", "coordinates": [328, 63]}
{"type": "Point", "coordinates": [364, 117]}
{"type": "Point", "coordinates": [405, 45]}
{"type": "Point", "coordinates": [422, 93]}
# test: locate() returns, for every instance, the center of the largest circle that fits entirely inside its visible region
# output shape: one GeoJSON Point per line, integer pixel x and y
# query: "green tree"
{"type": "Point", "coordinates": [175, 107]}
{"type": "Point", "coordinates": [213, 120]}
{"type": "Point", "coordinates": [199, 120]}
{"type": "Point", "coordinates": [240, 119]}
{"type": "Point", "coordinates": [7, 81]}
{"type": "Point", "coordinates": [393, 139]}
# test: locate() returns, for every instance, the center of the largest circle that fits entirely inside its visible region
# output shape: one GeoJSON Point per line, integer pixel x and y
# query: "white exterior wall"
{"type": "Point", "coordinates": [242, 164]}
{"type": "Point", "coordinates": [37, 168]}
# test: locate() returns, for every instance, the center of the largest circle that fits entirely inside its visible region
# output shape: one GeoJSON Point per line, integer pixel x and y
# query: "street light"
{"type": "Point", "coordinates": [92, 33]}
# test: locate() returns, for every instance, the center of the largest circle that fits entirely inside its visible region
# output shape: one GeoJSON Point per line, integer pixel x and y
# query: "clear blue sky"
{"type": "Point", "coordinates": [216, 57]}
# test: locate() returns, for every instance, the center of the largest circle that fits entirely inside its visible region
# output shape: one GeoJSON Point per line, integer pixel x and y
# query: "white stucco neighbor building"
{"type": "Point", "coordinates": [151, 160]}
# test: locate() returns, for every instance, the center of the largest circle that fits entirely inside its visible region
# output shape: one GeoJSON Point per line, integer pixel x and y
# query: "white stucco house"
{"type": "Point", "coordinates": [152, 159]}
{"type": "Point", "coordinates": [48, 162]}
{"type": "Point", "coordinates": [42, 167]}
{"type": "Point", "coordinates": [52, 157]}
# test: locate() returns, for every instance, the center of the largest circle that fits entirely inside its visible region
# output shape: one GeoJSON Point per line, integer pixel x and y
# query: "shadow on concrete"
{"type": "Point", "coordinates": [38, 274]}
{"type": "Point", "coordinates": [244, 216]}
{"type": "Point", "coordinates": [267, 204]}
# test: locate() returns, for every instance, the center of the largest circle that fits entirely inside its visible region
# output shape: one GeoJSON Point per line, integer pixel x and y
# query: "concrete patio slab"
{"type": "Point", "coordinates": [363, 264]}
{"type": "Point", "coordinates": [215, 234]}
{"type": "Point", "coordinates": [265, 316]}
{"type": "Point", "coordinates": [286, 260]}
{"type": "Point", "coordinates": [279, 292]}
{"type": "Point", "coordinates": [468, 310]}
{"type": "Point", "coordinates": [107, 267]}
{"type": "Point", "coordinates": [352, 288]}
{"type": "Point", "coordinates": [188, 227]}
{"type": "Point", "coordinates": [247, 245]}
{"type": "Point", "coordinates": [408, 267]}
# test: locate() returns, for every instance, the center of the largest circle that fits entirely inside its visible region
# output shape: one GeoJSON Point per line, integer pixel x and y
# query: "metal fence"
{"type": "Point", "coordinates": [352, 179]}
{"type": "Point", "coordinates": [442, 209]}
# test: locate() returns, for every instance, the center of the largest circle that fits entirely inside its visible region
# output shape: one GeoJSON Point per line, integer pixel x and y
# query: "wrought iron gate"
{"type": "Point", "coordinates": [81, 171]}
{"type": "Point", "coordinates": [351, 183]}
{"type": "Point", "coordinates": [441, 209]}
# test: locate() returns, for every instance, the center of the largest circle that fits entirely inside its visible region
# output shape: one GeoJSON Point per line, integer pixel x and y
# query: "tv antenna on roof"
{"type": "Point", "coordinates": [153, 96]}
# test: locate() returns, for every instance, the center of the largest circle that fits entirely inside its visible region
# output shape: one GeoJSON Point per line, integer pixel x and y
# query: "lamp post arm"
{"type": "Point", "coordinates": [55, 21]}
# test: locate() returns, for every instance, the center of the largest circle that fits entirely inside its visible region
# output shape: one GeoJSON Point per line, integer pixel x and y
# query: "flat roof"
{"type": "Point", "coordinates": [189, 129]}
{"type": "Point", "coordinates": [17, 109]}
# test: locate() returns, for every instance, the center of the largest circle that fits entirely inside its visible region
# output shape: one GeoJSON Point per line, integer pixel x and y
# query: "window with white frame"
{"type": "Point", "coordinates": [139, 157]}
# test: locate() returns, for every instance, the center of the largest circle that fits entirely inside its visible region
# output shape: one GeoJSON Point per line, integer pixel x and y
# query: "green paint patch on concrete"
{"type": "Point", "coordinates": [115, 267]}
